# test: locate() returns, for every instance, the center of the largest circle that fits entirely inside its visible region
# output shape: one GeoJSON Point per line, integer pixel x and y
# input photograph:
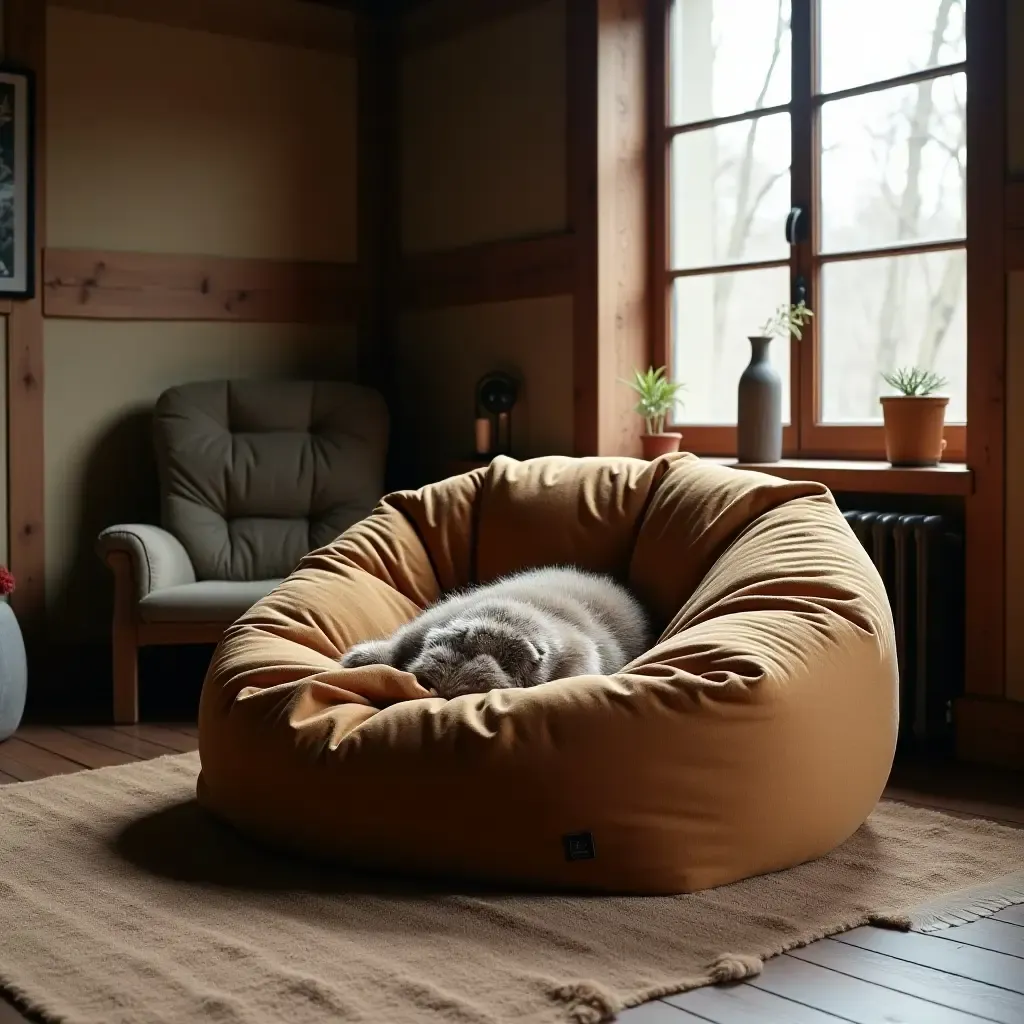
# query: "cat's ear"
{"type": "Point", "coordinates": [537, 650]}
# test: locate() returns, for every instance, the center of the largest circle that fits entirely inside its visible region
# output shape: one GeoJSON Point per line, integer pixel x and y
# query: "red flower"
{"type": "Point", "coordinates": [6, 581]}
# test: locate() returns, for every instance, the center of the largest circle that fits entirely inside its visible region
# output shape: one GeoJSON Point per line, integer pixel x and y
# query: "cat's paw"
{"type": "Point", "coordinates": [372, 652]}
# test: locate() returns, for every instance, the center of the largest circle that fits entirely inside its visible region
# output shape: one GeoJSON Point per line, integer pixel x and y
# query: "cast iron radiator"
{"type": "Point", "coordinates": [921, 560]}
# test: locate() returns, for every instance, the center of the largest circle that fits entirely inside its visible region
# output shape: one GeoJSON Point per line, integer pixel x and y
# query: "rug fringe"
{"type": "Point", "coordinates": [961, 907]}
{"type": "Point", "coordinates": [969, 905]}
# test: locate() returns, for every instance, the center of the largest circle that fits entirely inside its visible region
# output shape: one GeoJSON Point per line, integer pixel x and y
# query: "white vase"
{"type": "Point", "coordinates": [13, 672]}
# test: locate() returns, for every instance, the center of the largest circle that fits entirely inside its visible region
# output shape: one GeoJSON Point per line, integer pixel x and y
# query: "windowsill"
{"type": "Point", "coordinates": [863, 477]}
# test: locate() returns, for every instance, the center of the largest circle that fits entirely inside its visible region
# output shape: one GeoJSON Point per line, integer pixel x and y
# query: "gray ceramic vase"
{"type": "Point", "coordinates": [759, 410]}
{"type": "Point", "coordinates": [13, 672]}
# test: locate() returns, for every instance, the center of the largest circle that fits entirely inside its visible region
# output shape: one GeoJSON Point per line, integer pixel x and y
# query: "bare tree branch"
{"type": "Point", "coordinates": [943, 302]}
{"type": "Point", "coordinates": [745, 210]}
{"type": "Point", "coordinates": [909, 214]}
{"type": "Point", "coordinates": [942, 307]}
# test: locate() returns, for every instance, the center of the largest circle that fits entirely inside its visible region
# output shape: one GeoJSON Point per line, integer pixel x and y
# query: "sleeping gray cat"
{"type": "Point", "coordinates": [524, 629]}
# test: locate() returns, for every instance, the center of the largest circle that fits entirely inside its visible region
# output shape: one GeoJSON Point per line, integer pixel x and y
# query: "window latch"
{"type": "Point", "coordinates": [795, 230]}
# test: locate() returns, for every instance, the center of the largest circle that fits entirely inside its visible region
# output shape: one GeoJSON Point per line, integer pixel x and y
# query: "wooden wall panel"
{"type": "Point", "coordinates": [429, 23]}
{"type": "Point", "coordinates": [25, 45]}
{"type": "Point", "coordinates": [483, 134]}
{"type": "Point", "coordinates": [163, 286]}
{"type": "Point", "coordinates": [379, 231]}
{"type": "Point", "coordinates": [527, 268]}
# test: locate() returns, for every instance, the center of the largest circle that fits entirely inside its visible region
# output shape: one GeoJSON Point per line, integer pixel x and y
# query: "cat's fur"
{"type": "Point", "coordinates": [522, 630]}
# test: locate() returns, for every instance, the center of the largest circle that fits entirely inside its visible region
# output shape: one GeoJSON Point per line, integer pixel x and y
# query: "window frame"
{"type": "Point", "coordinates": [805, 436]}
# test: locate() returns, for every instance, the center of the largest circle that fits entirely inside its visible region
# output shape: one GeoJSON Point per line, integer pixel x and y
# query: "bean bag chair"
{"type": "Point", "coordinates": [758, 733]}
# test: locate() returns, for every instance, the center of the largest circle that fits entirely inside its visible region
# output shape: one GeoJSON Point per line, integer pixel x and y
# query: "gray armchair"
{"type": "Point", "coordinates": [253, 475]}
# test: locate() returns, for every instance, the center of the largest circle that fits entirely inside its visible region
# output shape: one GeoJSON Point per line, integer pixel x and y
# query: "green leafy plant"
{"type": "Point", "coordinates": [657, 397]}
{"type": "Point", "coordinates": [913, 382]}
{"type": "Point", "coordinates": [787, 319]}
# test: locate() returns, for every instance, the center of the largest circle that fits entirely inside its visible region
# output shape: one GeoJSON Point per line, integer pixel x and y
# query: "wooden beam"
{"type": "Point", "coordinates": [608, 171]}
{"type": "Point", "coordinates": [314, 26]}
{"type": "Point", "coordinates": [109, 285]}
{"type": "Point", "coordinates": [985, 518]}
{"type": "Point", "coordinates": [493, 272]}
{"type": "Point", "coordinates": [25, 45]}
{"type": "Point", "coordinates": [428, 24]}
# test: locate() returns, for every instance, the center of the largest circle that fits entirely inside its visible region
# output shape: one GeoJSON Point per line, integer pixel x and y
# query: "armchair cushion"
{"type": "Point", "coordinates": [214, 601]}
{"type": "Point", "coordinates": [255, 474]}
{"type": "Point", "coordinates": [158, 558]}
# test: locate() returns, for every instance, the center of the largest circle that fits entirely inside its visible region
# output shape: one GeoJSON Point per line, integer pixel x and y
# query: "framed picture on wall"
{"type": "Point", "coordinates": [17, 208]}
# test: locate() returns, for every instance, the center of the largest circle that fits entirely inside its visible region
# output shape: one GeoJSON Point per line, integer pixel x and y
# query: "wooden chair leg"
{"type": "Point", "coordinates": [126, 680]}
{"type": "Point", "coordinates": [125, 637]}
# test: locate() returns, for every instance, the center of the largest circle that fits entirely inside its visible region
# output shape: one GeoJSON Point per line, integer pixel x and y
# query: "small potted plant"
{"type": "Point", "coordinates": [914, 417]}
{"type": "Point", "coordinates": [759, 397]}
{"type": "Point", "coordinates": [657, 398]}
{"type": "Point", "coordinates": [13, 670]}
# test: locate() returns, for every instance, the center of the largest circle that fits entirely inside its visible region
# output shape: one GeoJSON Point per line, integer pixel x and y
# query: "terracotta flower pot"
{"type": "Point", "coordinates": [913, 429]}
{"type": "Point", "coordinates": [660, 444]}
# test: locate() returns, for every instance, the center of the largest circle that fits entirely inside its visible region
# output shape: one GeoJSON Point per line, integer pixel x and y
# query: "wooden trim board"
{"type": "Point", "coordinates": [863, 477]}
{"type": "Point", "coordinates": [315, 26]}
{"type": "Point", "coordinates": [111, 285]}
{"type": "Point", "coordinates": [492, 272]}
{"type": "Point", "coordinates": [25, 45]}
{"type": "Point", "coordinates": [985, 519]}
{"type": "Point", "coordinates": [608, 177]}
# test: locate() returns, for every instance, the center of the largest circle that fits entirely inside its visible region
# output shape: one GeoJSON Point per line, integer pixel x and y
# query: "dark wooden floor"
{"type": "Point", "coordinates": [867, 976]}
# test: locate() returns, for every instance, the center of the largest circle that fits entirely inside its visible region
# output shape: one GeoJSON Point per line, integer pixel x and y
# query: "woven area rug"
{"type": "Point", "coordinates": [121, 901]}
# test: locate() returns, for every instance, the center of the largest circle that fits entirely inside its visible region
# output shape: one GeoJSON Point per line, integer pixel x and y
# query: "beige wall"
{"type": "Point", "coordinates": [483, 133]}
{"type": "Point", "coordinates": [1015, 379]}
{"type": "Point", "coordinates": [443, 353]}
{"type": "Point", "coordinates": [182, 141]}
{"type": "Point", "coordinates": [164, 139]}
{"type": "Point", "coordinates": [484, 158]}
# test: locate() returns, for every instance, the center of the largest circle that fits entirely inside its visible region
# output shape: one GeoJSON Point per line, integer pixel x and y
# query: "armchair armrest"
{"type": "Point", "coordinates": [157, 558]}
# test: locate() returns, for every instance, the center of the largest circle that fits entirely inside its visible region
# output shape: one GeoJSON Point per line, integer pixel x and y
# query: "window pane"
{"type": "Point", "coordinates": [730, 193]}
{"type": "Point", "coordinates": [894, 166]}
{"type": "Point", "coordinates": [727, 57]}
{"type": "Point", "coordinates": [866, 41]}
{"type": "Point", "coordinates": [712, 317]}
{"type": "Point", "coordinates": [876, 315]}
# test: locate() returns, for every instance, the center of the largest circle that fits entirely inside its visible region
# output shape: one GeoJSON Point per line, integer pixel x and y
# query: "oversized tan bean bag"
{"type": "Point", "coordinates": [757, 734]}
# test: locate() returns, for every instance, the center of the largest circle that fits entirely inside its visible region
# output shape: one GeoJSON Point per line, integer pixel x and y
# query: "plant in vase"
{"type": "Point", "coordinates": [13, 668]}
{"type": "Point", "coordinates": [759, 399]}
{"type": "Point", "coordinates": [657, 398]}
{"type": "Point", "coordinates": [914, 417]}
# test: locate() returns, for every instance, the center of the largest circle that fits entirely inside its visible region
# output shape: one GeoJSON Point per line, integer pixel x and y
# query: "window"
{"type": "Point", "coordinates": [814, 149]}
